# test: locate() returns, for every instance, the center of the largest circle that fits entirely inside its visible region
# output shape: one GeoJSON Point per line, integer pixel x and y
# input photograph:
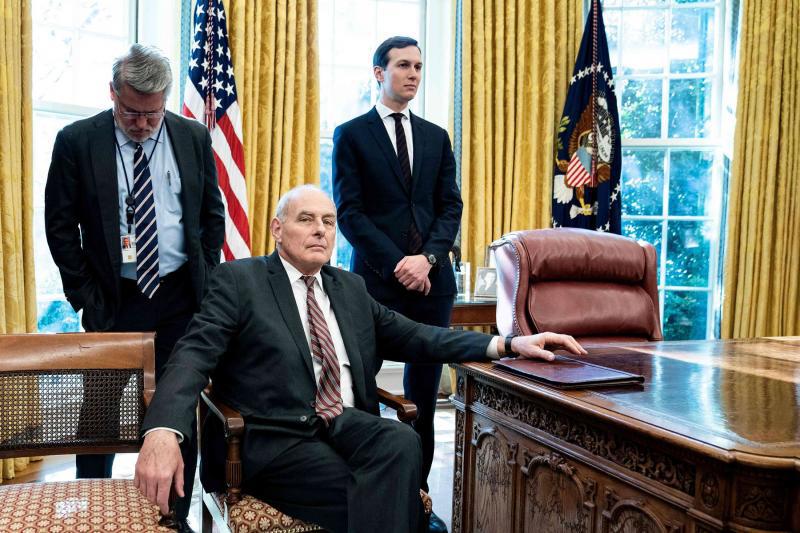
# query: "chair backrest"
{"type": "Point", "coordinates": [597, 287]}
{"type": "Point", "coordinates": [74, 393]}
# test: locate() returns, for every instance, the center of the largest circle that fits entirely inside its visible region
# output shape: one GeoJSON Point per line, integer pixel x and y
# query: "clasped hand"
{"type": "Point", "coordinates": [412, 271]}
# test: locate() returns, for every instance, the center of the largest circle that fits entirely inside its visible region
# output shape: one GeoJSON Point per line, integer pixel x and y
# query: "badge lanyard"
{"type": "Point", "coordinates": [130, 202]}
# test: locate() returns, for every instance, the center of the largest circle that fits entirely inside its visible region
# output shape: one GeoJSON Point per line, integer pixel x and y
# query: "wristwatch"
{"type": "Point", "coordinates": [430, 257]}
{"type": "Point", "coordinates": [509, 351]}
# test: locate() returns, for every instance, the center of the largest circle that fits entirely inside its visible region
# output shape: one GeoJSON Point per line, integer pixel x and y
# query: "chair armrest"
{"type": "Point", "coordinates": [230, 417]}
{"type": "Point", "coordinates": [406, 409]}
{"type": "Point", "coordinates": [234, 428]}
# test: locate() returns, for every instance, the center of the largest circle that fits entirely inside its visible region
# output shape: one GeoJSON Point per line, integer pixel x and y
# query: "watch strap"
{"type": "Point", "coordinates": [509, 351]}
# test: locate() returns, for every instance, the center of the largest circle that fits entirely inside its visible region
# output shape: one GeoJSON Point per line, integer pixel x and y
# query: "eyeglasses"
{"type": "Point", "coordinates": [133, 115]}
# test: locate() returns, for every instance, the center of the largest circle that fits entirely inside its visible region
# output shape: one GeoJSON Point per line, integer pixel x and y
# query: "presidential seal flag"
{"type": "Point", "coordinates": [210, 97]}
{"type": "Point", "coordinates": [586, 183]}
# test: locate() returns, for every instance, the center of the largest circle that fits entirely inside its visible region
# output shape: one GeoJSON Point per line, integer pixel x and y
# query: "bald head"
{"type": "Point", "coordinates": [304, 228]}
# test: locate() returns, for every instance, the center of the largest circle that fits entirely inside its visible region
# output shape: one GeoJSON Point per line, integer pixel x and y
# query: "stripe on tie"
{"type": "Point", "coordinates": [147, 278]}
{"type": "Point", "coordinates": [329, 394]}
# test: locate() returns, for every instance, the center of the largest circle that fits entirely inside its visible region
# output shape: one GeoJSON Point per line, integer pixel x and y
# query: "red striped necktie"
{"type": "Point", "coordinates": [329, 396]}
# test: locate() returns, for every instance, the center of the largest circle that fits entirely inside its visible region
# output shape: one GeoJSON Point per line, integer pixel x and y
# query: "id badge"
{"type": "Point", "coordinates": [128, 244]}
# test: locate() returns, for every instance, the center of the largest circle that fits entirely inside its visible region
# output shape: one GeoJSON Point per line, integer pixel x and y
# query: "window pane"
{"type": "Point", "coordinates": [397, 18]}
{"type": "Point", "coordinates": [57, 317]}
{"type": "Point", "coordinates": [643, 41]}
{"type": "Point", "coordinates": [692, 46]}
{"type": "Point", "coordinates": [351, 97]}
{"type": "Point", "coordinates": [44, 135]}
{"type": "Point", "coordinates": [48, 280]}
{"type": "Point", "coordinates": [647, 231]}
{"type": "Point", "coordinates": [354, 33]}
{"type": "Point", "coordinates": [74, 45]}
{"type": "Point", "coordinates": [690, 182]}
{"type": "Point", "coordinates": [685, 315]}
{"type": "Point", "coordinates": [108, 17]}
{"type": "Point", "coordinates": [688, 253]}
{"type": "Point", "coordinates": [642, 182]}
{"type": "Point", "coordinates": [641, 109]}
{"type": "Point", "coordinates": [611, 18]}
{"type": "Point", "coordinates": [342, 253]}
{"type": "Point", "coordinates": [690, 108]}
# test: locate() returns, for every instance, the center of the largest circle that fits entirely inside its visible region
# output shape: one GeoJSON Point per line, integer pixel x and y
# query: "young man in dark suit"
{"type": "Point", "coordinates": [294, 345]}
{"type": "Point", "coordinates": [394, 183]}
{"type": "Point", "coordinates": [135, 222]}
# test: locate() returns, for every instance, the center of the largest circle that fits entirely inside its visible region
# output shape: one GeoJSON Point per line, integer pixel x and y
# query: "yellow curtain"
{"type": "Point", "coordinates": [517, 59]}
{"type": "Point", "coordinates": [762, 263]}
{"type": "Point", "coordinates": [275, 55]}
{"type": "Point", "coordinates": [17, 286]}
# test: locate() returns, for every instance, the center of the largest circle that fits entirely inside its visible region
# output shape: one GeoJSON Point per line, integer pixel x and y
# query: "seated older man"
{"type": "Point", "coordinates": [294, 344]}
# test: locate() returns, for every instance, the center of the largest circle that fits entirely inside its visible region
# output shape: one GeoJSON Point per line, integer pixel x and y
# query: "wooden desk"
{"type": "Point", "coordinates": [473, 312]}
{"type": "Point", "coordinates": [710, 443]}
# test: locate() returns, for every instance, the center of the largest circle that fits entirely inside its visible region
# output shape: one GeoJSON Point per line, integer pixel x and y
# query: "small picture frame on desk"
{"type": "Point", "coordinates": [486, 283]}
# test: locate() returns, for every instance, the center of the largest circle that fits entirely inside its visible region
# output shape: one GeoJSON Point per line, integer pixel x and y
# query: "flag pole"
{"type": "Point", "coordinates": [210, 110]}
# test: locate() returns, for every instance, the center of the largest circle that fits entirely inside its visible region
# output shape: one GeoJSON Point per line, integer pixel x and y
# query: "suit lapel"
{"type": "Point", "coordinates": [284, 297]}
{"type": "Point", "coordinates": [378, 131]}
{"type": "Point", "coordinates": [184, 158]}
{"type": "Point", "coordinates": [104, 169]}
{"type": "Point", "coordinates": [418, 133]}
{"type": "Point", "coordinates": [345, 320]}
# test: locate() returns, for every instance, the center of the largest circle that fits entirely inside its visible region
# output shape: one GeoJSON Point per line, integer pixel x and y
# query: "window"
{"type": "Point", "coordinates": [668, 67]}
{"type": "Point", "coordinates": [74, 45]}
{"type": "Point", "coordinates": [349, 32]}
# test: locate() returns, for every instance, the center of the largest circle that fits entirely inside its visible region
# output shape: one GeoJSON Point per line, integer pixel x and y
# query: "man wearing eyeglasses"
{"type": "Point", "coordinates": [135, 223]}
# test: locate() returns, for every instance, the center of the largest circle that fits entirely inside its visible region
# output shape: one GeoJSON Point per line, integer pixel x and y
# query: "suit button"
{"type": "Point", "coordinates": [303, 418]}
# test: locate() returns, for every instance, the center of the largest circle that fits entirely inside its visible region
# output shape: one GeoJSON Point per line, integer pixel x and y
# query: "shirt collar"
{"type": "Point", "coordinates": [295, 274]}
{"type": "Point", "coordinates": [384, 111]}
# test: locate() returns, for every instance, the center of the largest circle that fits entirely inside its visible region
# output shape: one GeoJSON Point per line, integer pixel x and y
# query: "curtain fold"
{"type": "Point", "coordinates": [517, 59]}
{"type": "Point", "coordinates": [276, 61]}
{"type": "Point", "coordinates": [17, 285]}
{"type": "Point", "coordinates": [762, 262]}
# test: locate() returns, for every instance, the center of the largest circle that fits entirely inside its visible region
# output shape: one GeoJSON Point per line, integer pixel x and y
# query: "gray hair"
{"type": "Point", "coordinates": [290, 196]}
{"type": "Point", "coordinates": [144, 68]}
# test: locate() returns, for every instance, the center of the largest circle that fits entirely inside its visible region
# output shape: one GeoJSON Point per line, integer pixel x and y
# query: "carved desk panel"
{"type": "Point", "coordinates": [710, 443]}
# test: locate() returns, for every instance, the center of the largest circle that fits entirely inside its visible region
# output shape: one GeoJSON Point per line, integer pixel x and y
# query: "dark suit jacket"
{"type": "Point", "coordinates": [248, 336]}
{"type": "Point", "coordinates": [375, 208]}
{"type": "Point", "coordinates": [82, 211]}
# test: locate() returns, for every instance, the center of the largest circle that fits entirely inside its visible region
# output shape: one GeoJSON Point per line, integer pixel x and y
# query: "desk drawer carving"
{"type": "Point", "coordinates": [634, 456]}
{"type": "Point", "coordinates": [556, 499]}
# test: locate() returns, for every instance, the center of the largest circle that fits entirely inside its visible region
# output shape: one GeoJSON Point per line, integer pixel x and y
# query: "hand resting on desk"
{"type": "Point", "coordinates": [539, 346]}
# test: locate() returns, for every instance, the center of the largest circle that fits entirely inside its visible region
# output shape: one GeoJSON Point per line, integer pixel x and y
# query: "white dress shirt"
{"type": "Point", "coordinates": [388, 122]}
{"type": "Point", "coordinates": [166, 181]}
{"type": "Point", "coordinates": [300, 291]}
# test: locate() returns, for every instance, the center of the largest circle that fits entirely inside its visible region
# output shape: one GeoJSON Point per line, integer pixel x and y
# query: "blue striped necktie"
{"type": "Point", "coordinates": [147, 278]}
{"type": "Point", "coordinates": [329, 395]}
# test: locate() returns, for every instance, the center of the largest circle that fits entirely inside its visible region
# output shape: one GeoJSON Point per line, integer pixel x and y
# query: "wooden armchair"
{"type": "Point", "coordinates": [75, 393]}
{"type": "Point", "coordinates": [237, 512]}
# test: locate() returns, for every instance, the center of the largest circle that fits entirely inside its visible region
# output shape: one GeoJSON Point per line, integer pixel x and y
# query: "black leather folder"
{"type": "Point", "coordinates": [568, 373]}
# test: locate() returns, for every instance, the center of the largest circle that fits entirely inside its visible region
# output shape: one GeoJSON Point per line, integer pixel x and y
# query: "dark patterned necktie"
{"type": "Point", "coordinates": [414, 238]}
{"type": "Point", "coordinates": [329, 396]}
{"type": "Point", "coordinates": [147, 278]}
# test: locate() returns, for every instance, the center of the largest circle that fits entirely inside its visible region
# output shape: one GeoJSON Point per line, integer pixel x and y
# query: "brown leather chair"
{"type": "Point", "coordinates": [597, 287]}
{"type": "Point", "coordinates": [234, 511]}
{"type": "Point", "coordinates": [60, 394]}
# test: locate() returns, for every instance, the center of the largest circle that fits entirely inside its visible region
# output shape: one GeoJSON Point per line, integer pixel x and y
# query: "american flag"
{"type": "Point", "coordinates": [210, 97]}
